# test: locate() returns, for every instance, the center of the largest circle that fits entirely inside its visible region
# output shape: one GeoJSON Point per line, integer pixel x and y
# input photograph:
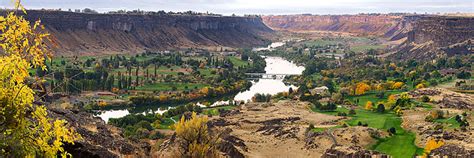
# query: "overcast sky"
{"type": "Point", "coordinates": [266, 7]}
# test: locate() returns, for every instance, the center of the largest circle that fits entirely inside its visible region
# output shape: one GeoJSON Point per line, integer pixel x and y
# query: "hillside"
{"type": "Point", "coordinates": [79, 33]}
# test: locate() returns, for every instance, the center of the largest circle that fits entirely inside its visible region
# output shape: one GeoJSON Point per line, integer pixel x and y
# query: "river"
{"type": "Point", "coordinates": [275, 65]}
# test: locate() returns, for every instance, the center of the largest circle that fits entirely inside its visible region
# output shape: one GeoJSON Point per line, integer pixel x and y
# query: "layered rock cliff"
{"type": "Point", "coordinates": [428, 37]}
{"type": "Point", "coordinates": [359, 24]}
{"type": "Point", "coordinates": [78, 33]}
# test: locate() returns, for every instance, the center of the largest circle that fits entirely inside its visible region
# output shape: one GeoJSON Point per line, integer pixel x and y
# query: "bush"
{"type": "Point", "coordinates": [380, 108]}
{"type": "Point", "coordinates": [261, 97]}
{"type": "Point", "coordinates": [392, 130]}
{"type": "Point", "coordinates": [352, 112]}
{"type": "Point", "coordinates": [425, 99]}
{"type": "Point", "coordinates": [341, 114]}
{"type": "Point", "coordinates": [156, 135]}
{"type": "Point", "coordinates": [316, 104]}
{"type": "Point", "coordinates": [310, 127]}
{"type": "Point", "coordinates": [380, 95]}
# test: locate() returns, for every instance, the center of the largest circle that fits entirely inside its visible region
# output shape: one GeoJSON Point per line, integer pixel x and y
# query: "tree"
{"type": "Point", "coordinates": [352, 112]}
{"type": "Point", "coordinates": [425, 98]}
{"type": "Point", "coordinates": [26, 131]}
{"type": "Point", "coordinates": [290, 90]}
{"type": "Point", "coordinates": [196, 141]}
{"type": "Point", "coordinates": [419, 86]}
{"type": "Point", "coordinates": [397, 85]}
{"type": "Point", "coordinates": [464, 75]}
{"type": "Point", "coordinates": [381, 108]}
{"type": "Point", "coordinates": [361, 88]}
{"type": "Point", "coordinates": [392, 130]}
{"type": "Point", "coordinates": [432, 144]}
{"type": "Point", "coordinates": [368, 105]}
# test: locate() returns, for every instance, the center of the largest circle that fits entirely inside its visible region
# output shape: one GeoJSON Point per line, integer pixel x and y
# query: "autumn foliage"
{"type": "Point", "coordinates": [369, 105]}
{"type": "Point", "coordinates": [196, 141]}
{"type": "Point", "coordinates": [432, 144]}
{"type": "Point", "coordinates": [25, 129]}
{"type": "Point", "coordinates": [361, 88]}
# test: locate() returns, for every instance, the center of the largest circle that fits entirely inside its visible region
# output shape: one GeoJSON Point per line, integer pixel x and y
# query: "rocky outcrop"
{"type": "Point", "coordinates": [451, 151]}
{"type": "Point", "coordinates": [98, 138]}
{"type": "Point", "coordinates": [79, 33]}
{"type": "Point", "coordinates": [352, 151]}
{"type": "Point", "coordinates": [446, 98]}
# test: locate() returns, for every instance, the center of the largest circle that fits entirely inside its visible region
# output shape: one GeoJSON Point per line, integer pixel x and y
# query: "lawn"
{"type": "Point", "coordinates": [237, 62]}
{"type": "Point", "coordinates": [362, 48]}
{"type": "Point", "coordinates": [207, 73]}
{"type": "Point", "coordinates": [400, 145]}
{"type": "Point", "coordinates": [168, 86]}
{"type": "Point", "coordinates": [320, 42]}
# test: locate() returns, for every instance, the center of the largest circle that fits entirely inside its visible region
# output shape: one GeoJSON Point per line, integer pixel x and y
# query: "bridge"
{"type": "Point", "coordinates": [267, 76]}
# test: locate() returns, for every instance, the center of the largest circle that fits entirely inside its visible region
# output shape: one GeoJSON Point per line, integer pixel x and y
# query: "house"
{"type": "Point", "coordinates": [323, 90]}
{"type": "Point", "coordinates": [449, 71]}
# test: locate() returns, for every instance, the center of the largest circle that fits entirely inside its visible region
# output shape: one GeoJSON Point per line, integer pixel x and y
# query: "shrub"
{"type": "Point", "coordinates": [352, 112]}
{"type": "Point", "coordinates": [196, 140]}
{"type": "Point", "coordinates": [341, 114]}
{"type": "Point", "coordinates": [392, 130]}
{"type": "Point", "coordinates": [261, 97]}
{"type": "Point", "coordinates": [381, 108]}
{"type": "Point", "coordinates": [425, 98]}
{"type": "Point", "coordinates": [380, 95]}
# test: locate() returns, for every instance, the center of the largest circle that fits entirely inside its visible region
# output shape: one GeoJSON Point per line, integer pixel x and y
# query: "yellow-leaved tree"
{"type": "Point", "coordinates": [195, 139]}
{"type": "Point", "coordinates": [361, 88]}
{"type": "Point", "coordinates": [25, 129]}
{"type": "Point", "coordinates": [432, 144]}
{"type": "Point", "coordinates": [369, 105]}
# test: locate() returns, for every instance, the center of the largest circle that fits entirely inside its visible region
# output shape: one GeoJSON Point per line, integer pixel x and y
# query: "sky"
{"type": "Point", "coordinates": [261, 7]}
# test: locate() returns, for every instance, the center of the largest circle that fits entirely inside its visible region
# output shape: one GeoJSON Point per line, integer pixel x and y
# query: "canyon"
{"type": "Point", "coordinates": [93, 34]}
{"type": "Point", "coordinates": [418, 36]}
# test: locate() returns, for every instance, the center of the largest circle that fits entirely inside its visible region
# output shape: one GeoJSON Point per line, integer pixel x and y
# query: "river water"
{"type": "Point", "coordinates": [275, 65]}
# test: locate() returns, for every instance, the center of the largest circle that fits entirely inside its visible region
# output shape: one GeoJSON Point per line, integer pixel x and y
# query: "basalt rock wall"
{"type": "Point", "coordinates": [79, 33]}
{"type": "Point", "coordinates": [358, 24]}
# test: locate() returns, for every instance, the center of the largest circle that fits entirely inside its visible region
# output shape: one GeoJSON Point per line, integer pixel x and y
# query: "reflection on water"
{"type": "Point", "coordinates": [106, 115]}
{"type": "Point", "coordinates": [270, 47]}
{"type": "Point", "coordinates": [275, 65]}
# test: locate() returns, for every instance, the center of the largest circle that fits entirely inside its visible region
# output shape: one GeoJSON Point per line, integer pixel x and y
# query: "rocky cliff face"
{"type": "Point", "coordinates": [105, 33]}
{"type": "Point", "coordinates": [429, 37]}
{"type": "Point", "coordinates": [359, 24]}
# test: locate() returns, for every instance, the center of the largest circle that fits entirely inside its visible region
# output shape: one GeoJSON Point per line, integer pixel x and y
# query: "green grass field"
{"type": "Point", "coordinates": [400, 145]}
{"type": "Point", "coordinates": [237, 62]}
{"type": "Point", "coordinates": [363, 48]}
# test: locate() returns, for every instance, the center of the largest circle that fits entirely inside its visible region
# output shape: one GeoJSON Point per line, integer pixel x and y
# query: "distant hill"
{"type": "Point", "coordinates": [91, 34]}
